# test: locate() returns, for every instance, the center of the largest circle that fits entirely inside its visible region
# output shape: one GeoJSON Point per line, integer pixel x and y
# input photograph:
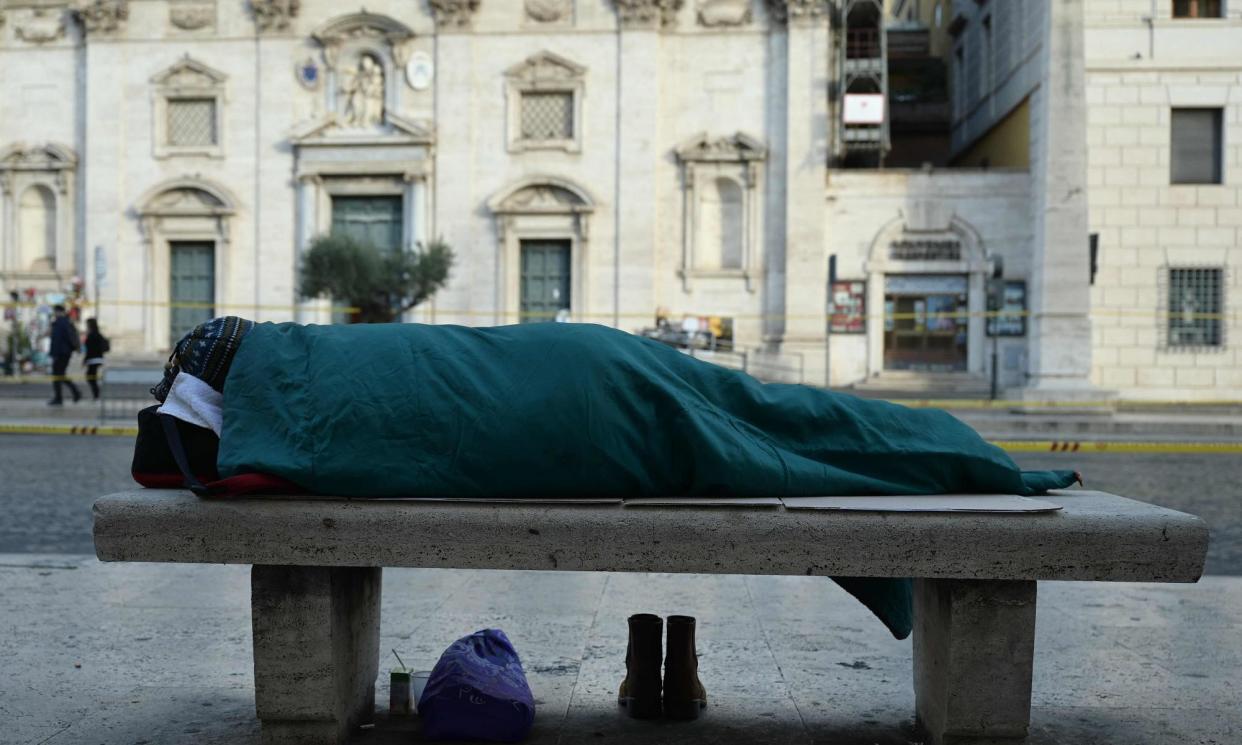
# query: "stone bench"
{"type": "Point", "coordinates": [315, 582]}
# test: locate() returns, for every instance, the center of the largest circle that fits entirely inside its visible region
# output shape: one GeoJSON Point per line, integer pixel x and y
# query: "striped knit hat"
{"type": "Point", "coordinates": [206, 353]}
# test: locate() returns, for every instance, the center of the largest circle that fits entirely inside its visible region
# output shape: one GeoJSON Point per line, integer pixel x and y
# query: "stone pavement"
{"type": "Point", "coordinates": [146, 653]}
{"type": "Point", "coordinates": [1184, 424]}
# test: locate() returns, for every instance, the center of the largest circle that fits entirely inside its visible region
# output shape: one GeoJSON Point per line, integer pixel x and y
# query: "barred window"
{"type": "Point", "coordinates": [191, 122]}
{"type": "Point", "coordinates": [547, 115]}
{"type": "Point", "coordinates": [1194, 307]}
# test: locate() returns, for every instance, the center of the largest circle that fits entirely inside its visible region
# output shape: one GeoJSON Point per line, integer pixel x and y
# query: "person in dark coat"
{"type": "Point", "coordinates": [97, 346]}
{"type": "Point", "coordinates": [64, 343]}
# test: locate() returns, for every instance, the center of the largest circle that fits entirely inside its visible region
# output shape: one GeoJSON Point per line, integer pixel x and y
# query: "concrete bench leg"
{"type": "Point", "coordinates": [974, 645]}
{"type": "Point", "coordinates": [316, 651]}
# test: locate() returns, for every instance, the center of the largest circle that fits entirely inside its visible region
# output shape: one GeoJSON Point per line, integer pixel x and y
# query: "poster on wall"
{"type": "Point", "coordinates": [1012, 300]}
{"type": "Point", "coordinates": [863, 108]}
{"type": "Point", "coordinates": [847, 307]}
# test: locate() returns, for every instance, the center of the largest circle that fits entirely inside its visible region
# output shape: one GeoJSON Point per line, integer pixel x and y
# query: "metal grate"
{"type": "Point", "coordinates": [191, 122]}
{"type": "Point", "coordinates": [548, 116]}
{"type": "Point", "coordinates": [1194, 306]}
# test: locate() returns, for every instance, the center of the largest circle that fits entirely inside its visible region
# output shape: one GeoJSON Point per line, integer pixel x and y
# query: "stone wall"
{"type": "Point", "coordinates": [1136, 73]}
{"type": "Point", "coordinates": [866, 209]}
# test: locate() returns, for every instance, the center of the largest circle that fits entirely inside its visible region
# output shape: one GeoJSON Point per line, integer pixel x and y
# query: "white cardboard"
{"type": "Point", "coordinates": [929, 503]}
{"type": "Point", "coordinates": [703, 502]}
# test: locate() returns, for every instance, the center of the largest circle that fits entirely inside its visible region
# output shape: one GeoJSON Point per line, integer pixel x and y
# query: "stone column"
{"type": "Point", "coordinates": [630, 299]}
{"type": "Point", "coordinates": [799, 261]}
{"type": "Point", "coordinates": [407, 213]}
{"type": "Point", "coordinates": [414, 230]}
{"type": "Point", "coordinates": [418, 210]}
{"type": "Point", "coordinates": [974, 650]}
{"type": "Point", "coordinates": [316, 651]}
{"type": "Point", "coordinates": [308, 190]}
{"type": "Point", "coordinates": [1060, 330]}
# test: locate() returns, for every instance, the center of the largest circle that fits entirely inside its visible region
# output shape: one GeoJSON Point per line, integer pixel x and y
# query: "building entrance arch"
{"type": "Point", "coordinates": [926, 281]}
{"type": "Point", "coordinates": [185, 227]}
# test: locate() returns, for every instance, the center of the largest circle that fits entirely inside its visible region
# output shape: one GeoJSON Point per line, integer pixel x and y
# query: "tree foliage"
{"type": "Point", "coordinates": [380, 284]}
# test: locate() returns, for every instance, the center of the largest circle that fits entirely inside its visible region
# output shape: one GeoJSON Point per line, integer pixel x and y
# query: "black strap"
{"type": "Point", "coordinates": [178, 452]}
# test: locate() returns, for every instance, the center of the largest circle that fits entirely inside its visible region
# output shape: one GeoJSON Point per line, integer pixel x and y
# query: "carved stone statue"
{"type": "Point", "coordinates": [364, 94]}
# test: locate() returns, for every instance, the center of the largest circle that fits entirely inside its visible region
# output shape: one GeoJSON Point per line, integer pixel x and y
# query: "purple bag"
{"type": "Point", "coordinates": [477, 691]}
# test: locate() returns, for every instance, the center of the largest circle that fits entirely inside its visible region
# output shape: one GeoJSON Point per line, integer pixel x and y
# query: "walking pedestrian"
{"type": "Point", "coordinates": [65, 342]}
{"type": "Point", "coordinates": [97, 345]}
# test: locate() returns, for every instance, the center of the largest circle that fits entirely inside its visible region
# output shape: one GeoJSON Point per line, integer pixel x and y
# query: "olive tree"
{"type": "Point", "coordinates": [379, 285]}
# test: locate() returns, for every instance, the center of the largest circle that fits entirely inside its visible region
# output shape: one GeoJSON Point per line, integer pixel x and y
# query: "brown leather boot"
{"type": "Point", "coordinates": [684, 695]}
{"type": "Point", "coordinates": [640, 691]}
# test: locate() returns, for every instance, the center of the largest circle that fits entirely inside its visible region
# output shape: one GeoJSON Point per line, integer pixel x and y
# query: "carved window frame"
{"type": "Point", "coordinates": [544, 73]}
{"type": "Point", "coordinates": [209, 84]}
{"type": "Point", "coordinates": [51, 166]}
{"type": "Point", "coordinates": [738, 158]}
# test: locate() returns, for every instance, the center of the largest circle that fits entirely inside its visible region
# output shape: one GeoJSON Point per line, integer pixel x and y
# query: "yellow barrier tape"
{"type": "Point", "coordinates": [67, 429]}
{"type": "Point", "coordinates": [1090, 447]}
{"type": "Point", "coordinates": [87, 305]}
{"type": "Point", "coordinates": [913, 403]}
{"type": "Point", "coordinates": [580, 315]}
{"type": "Point", "coordinates": [48, 379]}
{"type": "Point", "coordinates": [1067, 447]}
{"type": "Point", "coordinates": [984, 403]}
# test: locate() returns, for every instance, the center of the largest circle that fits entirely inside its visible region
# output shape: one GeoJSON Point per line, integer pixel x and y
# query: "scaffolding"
{"type": "Point", "coordinates": [861, 101]}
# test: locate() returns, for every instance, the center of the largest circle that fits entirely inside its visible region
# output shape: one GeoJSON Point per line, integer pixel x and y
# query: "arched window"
{"type": "Point", "coordinates": [721, 224]}
{"type": "Point", "coordinates": [721, 239]}
{"type": "Point", "coordinates": [37, 229]}
{"type": "Point", "coordinates": [730, 200]}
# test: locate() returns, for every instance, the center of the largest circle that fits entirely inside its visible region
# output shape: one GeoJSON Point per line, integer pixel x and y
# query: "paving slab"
{"type": "Point", "coordinates": [121, 654]}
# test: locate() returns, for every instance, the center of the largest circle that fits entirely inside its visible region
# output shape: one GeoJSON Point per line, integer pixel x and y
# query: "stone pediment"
{"type": "Point", "coordinates": [189, 73]}
{"type": "Point", "coordinates": [48, 157]}
{"type": "Point", "coordinates": [331, 127]}
{"type": "Point", "coordinates": [362, 25]}
{"type": "Point", "coordinates": [545, 67]}
{"type": "Point", "coordinates": [547, 195]}
{"type": "Point", "coordinates": [735, 147]}
{"type": "Point", "coordinates": [187, 196]}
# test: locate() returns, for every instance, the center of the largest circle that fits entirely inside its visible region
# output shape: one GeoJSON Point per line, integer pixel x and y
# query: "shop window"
{"type": "Point", "coordinates": [1196, 143]}
{"type": "Point", "coordinates": [1197, 9]}
{"type": "Point", "coordinates": [1194, 303]}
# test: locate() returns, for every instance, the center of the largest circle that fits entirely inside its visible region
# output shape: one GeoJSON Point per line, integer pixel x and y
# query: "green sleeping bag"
{"type": "Point", "coordinates": [577, 410]}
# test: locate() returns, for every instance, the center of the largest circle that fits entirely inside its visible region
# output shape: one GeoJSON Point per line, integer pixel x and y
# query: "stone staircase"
{"type": "Point", "coordinates": [905, 383]}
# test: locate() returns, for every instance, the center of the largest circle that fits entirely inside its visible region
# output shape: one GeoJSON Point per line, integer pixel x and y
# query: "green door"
{"type": "Point", "coordinates": [545, 279]}
{"type": "Point", "coordinates": [193, 284]}
{"type": "Point", "coordinates": [374, 220]}
{"type": "Point", "coordinates": [367, 219]}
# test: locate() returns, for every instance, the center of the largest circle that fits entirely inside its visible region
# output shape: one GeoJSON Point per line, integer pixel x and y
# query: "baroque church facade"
{"type": "Point", "coordinates": [594, 160]}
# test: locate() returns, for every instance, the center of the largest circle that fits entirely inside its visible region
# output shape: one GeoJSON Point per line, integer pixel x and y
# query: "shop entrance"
{"type": "Point", "coordinates": [925, 322]}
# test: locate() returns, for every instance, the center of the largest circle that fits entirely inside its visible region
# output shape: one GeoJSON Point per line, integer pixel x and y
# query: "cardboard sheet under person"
{"type": "Point", "coordinates": [550, 411]}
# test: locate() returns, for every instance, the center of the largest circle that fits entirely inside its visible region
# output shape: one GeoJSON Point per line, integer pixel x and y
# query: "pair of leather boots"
{"type": "Point", "coordinates": [682, 696]}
